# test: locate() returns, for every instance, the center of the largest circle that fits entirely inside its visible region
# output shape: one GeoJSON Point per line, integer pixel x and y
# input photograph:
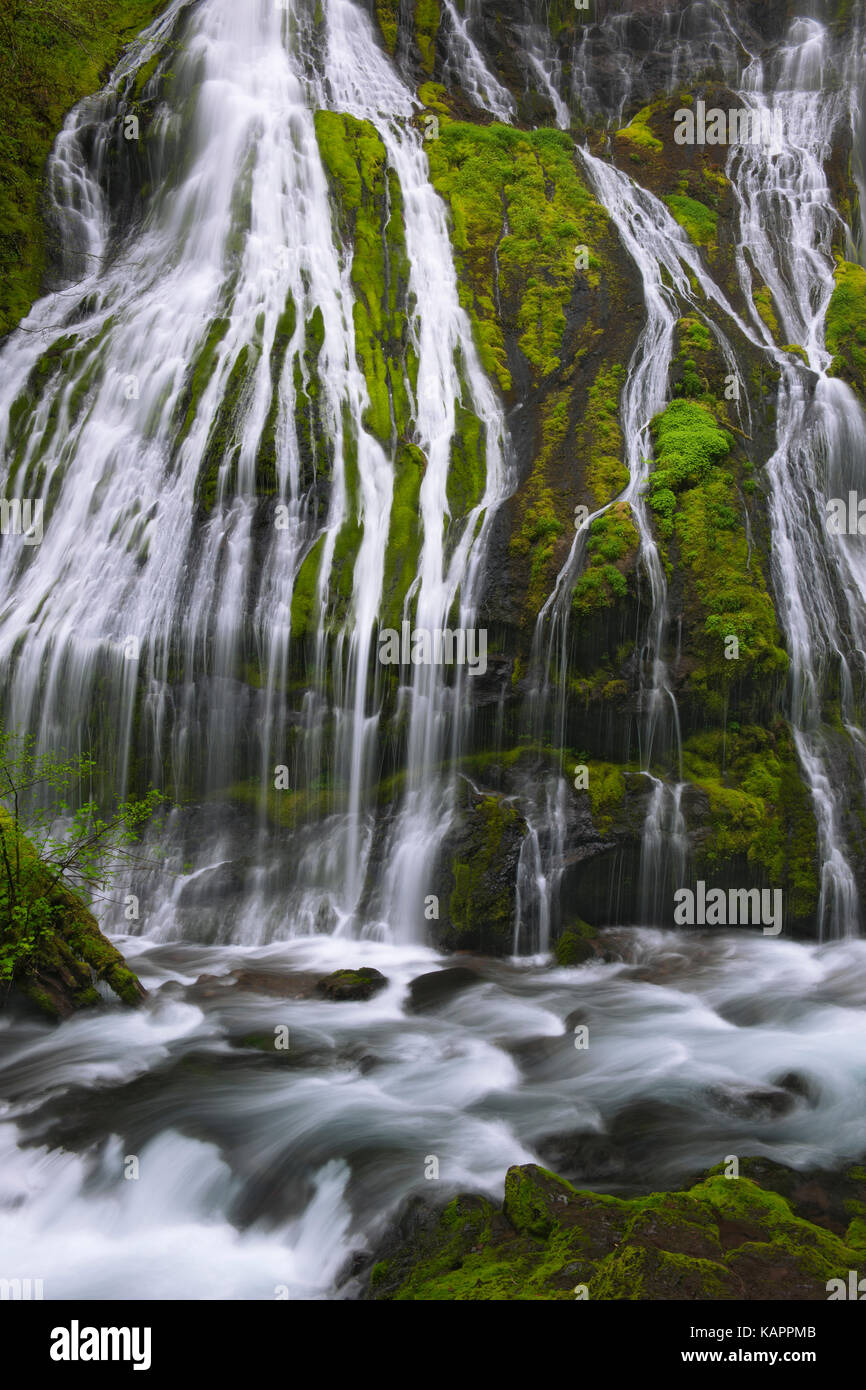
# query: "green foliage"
{"type": "Point", "coordinates": [426, 29]}
{"type": "Point", "coordinates": [763, 298]}
{"type": "Point", "coordinates": [600, 436]}
{"type": "Point", "coordinates": [41, 867]}
{"type": "Point", "coordinates": [370, 207]}
{"type": "Point", "coordinates": [388, 14]}
{"type": "Point", "coordinates": [715, 1240]}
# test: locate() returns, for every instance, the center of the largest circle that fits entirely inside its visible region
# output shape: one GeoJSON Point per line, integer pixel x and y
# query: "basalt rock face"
{"type": "Point", "coordinates": [599, 469]}
{"type": "Point", "coordinates": [768, 1233]}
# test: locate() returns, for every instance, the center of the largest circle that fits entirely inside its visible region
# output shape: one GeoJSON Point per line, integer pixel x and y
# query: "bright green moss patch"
{"type": "Point", "coordinates": [426, 28]}
{"type": "Point", "coordinates": [519, 211]}
{"type": "Point", "coordinates": [611, 547]}
{"type": "Point", "coordinates": [763, 299]}
{"type": "Point", "coordinates": [404, 537]}
{"type": "Point", "coordinates": [639, 132]}
{"type": "Point", "coordinates": [536, 540]}
{"type": "Point", "coordinates": [606, 794]}
{"type": "Point", "coordinates": [388, 15]}
{"type": "Point", "coordinates": [694, 497]}
{"type": "Point", "coordinates": [467, 472]}
{"type": "Point", "coordinates": [846, 325]}
{"type": "Point", "coordinates": [600, 436]}
{"type": "Point", "coordinates": [699, 221]}
{"type": "Point", "coordinates": [305, 591]}
{"type": "Point", "coordinates": [370, 214]}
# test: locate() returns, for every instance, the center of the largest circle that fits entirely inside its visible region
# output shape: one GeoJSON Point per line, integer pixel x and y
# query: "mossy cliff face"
{"type": "Point", "coordinates": [725, 1238]}
{"type": "Point", "coordinates": [48, 61]}
{"type": "Point", "coordinates": [544, 280]}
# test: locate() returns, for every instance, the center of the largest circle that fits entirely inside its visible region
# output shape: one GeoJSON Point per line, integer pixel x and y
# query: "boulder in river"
{"type": "Point", "coordinates": [352, 984]}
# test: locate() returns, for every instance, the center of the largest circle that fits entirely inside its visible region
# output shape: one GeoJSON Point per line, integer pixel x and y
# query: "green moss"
{"type": "Point", "coordinates": [798, 351]}
{"type": "Point", "coordinates": [55, 973]}
{"type": "Point", "coordinates": [764, 304]}
{"type": "Point", "coordinates": [699, 221]}
{"type": "Point", "coordinates": [266, 454]}
{"type": "Point", "coordinates": [305, 591]}
{"type": "Point", "coordinates": [388, 15]}
{"type": "Point", "coordinates": [404, 535]}
{"type": "Point", "coordinates": [370, 213]}
{"type": "Point", "coordinates": [426, 28]}
{"type": "Point", "coordinates": [606, 794]}
{"type": "Point", "coordinates": [694, 498]}
{"type": "Point", "coordinates": [536, 539]}
{"type": "Point", "coordinates": [218, 469]}
{"type": "Point", "coordinates": [574, 946]}
{"type": "Point", "coordinates": [759, 809]}
{"type": "Point", "coordinates": [846, 325]}
{"type": "Point", "coordinates": [551, 1237]}
{"type": "Point", "coordinates": [600, 437]}
{"type": "Point", "coordinates": [611, 548]}
{"type": "Point", "coordinates": [481, 904]}
{"type": "Point", "coordinates": [639, 132]}
{"type": "Point", "coordinates": [519, 210]}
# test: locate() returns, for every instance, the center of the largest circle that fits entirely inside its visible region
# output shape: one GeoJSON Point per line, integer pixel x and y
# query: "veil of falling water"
{"type": "Point", "coordinates": [138, 610]}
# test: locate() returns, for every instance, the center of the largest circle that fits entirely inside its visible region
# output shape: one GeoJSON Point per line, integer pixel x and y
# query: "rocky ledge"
{"type": "Point", "coordinates": [770, 1233]}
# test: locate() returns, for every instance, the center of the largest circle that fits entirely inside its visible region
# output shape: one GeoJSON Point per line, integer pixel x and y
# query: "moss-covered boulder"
{"type": "Point", "coordinates": [362, 983]}
{"type": "Point", "coordinates": [55, 960]}
{"type": "Point", "coordinates": [726, 1238]}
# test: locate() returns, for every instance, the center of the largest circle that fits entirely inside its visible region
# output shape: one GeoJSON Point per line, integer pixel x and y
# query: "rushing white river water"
{"type": "Point", "coordinates": [258, 1171]}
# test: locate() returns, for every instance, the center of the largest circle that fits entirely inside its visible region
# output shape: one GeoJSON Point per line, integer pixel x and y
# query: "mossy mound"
{"type": "Point", "coordinates": [727, 1238]}
{"type": "Point", "coordinates": [694, 495]}
{"type": "Point", "coordinates": [846, 325]}
{"type": "Point", "coordinates": [362, 983]}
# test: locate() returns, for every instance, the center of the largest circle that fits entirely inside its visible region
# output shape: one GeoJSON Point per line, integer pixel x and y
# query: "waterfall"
{"type": "Point", "coordinates": [244, 403]}
{"type": "Point", "coordinates": [163, 609]}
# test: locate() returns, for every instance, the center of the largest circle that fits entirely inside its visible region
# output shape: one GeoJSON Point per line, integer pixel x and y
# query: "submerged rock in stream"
{"type": "Point", "coordinates": [772, 1233]}
{"type": "Point", "coordinates": [352, 984]}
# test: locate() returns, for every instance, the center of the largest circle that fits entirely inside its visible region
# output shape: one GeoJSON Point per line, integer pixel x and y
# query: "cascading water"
{"type": "Point", "coordinates": [195, 406]}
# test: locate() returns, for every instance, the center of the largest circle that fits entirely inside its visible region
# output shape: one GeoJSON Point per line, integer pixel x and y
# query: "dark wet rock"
{"type": "Point", "coordinates": [440, 986]}
{"type": "Point", "coordinates": [803, 1087]}
{"type": "Point", "coordinates": [352, 984]}
{"type": "Point", "coordinates": [277, 984]}
{"type": "Point", "coordinates": [213, 886]}
{"type": "Point", "coordinates": [582, 1156]}
{"type": "Point", "coordinates": [753, 1102]}
{"type": "Point", "coordinates": [532, 1053]}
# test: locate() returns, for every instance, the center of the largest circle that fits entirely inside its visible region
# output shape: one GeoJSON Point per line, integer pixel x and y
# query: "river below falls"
{"type": "Point", "coordinates": [264, 1173]}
